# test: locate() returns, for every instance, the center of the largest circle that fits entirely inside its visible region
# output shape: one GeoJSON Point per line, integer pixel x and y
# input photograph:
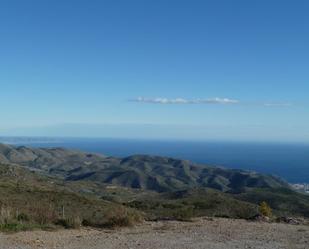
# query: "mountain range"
{"type": "Point", "coordinates": [145, 172]}
{"type": "Point", "coordinates": [158, 187]}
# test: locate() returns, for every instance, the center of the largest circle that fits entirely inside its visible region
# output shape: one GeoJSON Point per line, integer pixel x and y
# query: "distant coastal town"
{"type": "Point", "coordinates": [303, 187]}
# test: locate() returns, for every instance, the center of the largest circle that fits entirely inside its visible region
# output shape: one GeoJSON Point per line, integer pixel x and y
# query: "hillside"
{"type": "Point", "coordinates": [159, 187]}
{"type": "Point", "coordinates": [145, 172]}
{"type": "Point", "coordinates": [28, 200]}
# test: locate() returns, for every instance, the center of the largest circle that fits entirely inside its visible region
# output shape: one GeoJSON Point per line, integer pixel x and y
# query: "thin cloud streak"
{"type": "Point", "coordinates": [277, 104]}
{"type": "Point", "coordinates": [214, 101]}
{"type": "Point", "coordinates": [185, 101]}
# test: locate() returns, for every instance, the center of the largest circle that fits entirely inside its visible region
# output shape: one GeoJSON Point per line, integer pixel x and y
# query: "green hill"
{"type": "Point", "coordinates": [155, 173]}
{"type": "Point", "coordinates": [98, 189]}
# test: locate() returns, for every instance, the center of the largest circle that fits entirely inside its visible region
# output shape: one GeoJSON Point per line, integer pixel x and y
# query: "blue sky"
{"type": "Point", "coordinates": [187, 69]}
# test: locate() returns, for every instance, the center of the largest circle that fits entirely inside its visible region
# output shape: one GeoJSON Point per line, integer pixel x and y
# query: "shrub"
{"type": "Point", "coordinates": [265, 209]}
{"type": "Point", "coordinates": [117, 216]}
{"type": "Point", "coordinates": [72, 222]}
{"type": "Point", "coordinates": [44, 214]}
{"type": "Point", "coordinates": [12, 227]}
{"type": "Point", "coordinates": [121, 217]}
{"type": "Point", "coordinates": [6, 215]}
{"type": "Point", "coordinates": [183, 214]}
{"type": "Point", "coordinates": [119, 221]}
{"type": "Point", "coordinates": [22, 217]}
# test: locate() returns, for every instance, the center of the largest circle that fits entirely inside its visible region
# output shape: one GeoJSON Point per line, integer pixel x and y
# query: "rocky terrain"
{"type": "Point", "coordinates": [200, 234]}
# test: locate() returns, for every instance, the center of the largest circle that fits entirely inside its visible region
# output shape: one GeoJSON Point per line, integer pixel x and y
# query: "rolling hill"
{"type": "Point", "coordinates": [157, 186]}
{"type": "Point", "coordinates": [160, 174]}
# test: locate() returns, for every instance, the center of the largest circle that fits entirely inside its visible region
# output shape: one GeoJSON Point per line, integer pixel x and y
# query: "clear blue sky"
{"type": "Point", "coordinates": [188, 69]}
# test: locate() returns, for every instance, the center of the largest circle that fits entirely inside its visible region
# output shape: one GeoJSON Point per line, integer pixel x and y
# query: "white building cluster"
{"type": "Point", "coordinates": [301, 187]}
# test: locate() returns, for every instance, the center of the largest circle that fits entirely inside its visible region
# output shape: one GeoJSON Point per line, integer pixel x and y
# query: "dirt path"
{"type": "Point", "coordinates": [202, 234]}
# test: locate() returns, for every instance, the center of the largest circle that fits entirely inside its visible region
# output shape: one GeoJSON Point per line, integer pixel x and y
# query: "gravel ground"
{"type": "Point", "coordinates": [202, 233]}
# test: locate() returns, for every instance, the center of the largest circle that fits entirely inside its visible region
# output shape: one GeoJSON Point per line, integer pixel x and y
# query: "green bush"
{"type": "Point", "coordinates": [16, 226]}
{"type": "Point", "coordinates": [23, 217]}
{"type": "Point", "coordinates": [265, 209]}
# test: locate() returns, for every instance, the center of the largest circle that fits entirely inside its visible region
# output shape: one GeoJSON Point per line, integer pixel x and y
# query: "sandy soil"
{"type": "Point", "coordinates": [203, 233]}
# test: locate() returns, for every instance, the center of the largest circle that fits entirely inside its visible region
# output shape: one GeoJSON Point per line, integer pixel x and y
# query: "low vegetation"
{"type": "Point", "coordinates": [36, 204]}
{"type": "Point", "coordinates": [282, 201]}
{"type": "Point", "coordinates": [265, 209]}
{"type": "Point", "coordinates": [50, 188]}
{"type": "Point", "coordinates": [184, 205]}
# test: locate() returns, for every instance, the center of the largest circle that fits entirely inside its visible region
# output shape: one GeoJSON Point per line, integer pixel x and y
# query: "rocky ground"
{"type": "Point", "coordinates": [202, 233]}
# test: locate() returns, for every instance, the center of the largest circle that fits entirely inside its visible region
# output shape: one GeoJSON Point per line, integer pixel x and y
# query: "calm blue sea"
{"type": "Point", "coordinates": [289, 161]}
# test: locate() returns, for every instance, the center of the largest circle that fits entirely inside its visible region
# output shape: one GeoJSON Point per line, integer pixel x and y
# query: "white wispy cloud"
{"type": "Point", "coordinates": [277, 104]}
{"type": "Point", "coordinates": [185, 101]}
{"type": "Point", "coordinates": [215, 101]}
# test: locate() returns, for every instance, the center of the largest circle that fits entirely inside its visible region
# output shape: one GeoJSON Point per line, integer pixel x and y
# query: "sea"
{"type": "Point", "coordinates": [289, 161]}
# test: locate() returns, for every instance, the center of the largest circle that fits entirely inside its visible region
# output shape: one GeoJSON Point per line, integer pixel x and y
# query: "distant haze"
{"type": "Point", "coordinates": [167, 132]}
